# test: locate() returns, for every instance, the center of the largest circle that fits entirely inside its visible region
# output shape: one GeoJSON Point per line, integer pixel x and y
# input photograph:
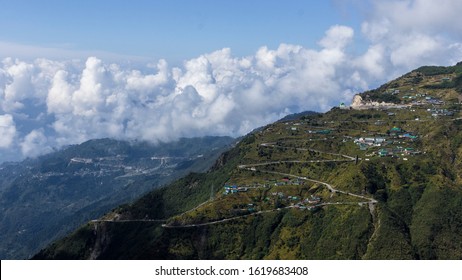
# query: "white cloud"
{"type": "Point", "coordinates": [145, 83]}
{"type": "Point", "coordinates": [372, 62]}
{"type": "Point", "coordinates": [337, 37]}
{"type": "Point", "coordinates": [7, 131]}
{"type": "Point", "coordinates": [19, 86]}
{"type": "Point", "coordinates": [59, 98]}
{"type": "Point", "coordinates": [215, 93]}
{"type": "Point", "coordinates": [218, 93]}
{"type": "Point", "coordinates": [35, 143]}
{"type": "Point", "coordinates": [376, 30]}
{"type": "Point", "coordinates": [423, 16]}
{"type": "Point", "coordinates": [413, 49]}
{"type": "Point", "coordinates": [411, 33]}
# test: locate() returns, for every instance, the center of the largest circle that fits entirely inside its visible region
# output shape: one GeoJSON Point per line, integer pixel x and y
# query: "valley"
{"type": "Point", "coordinates": [45, 198]}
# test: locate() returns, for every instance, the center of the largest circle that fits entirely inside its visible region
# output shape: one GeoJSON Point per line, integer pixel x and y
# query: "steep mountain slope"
{"type": "Point", "coordinates": [382, 182]}
{"type": "Point", "coordinates": [44, 198]}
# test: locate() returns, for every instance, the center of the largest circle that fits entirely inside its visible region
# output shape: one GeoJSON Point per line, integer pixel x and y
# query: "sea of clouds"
{"type": "Point", "coordinates": [46, 104]}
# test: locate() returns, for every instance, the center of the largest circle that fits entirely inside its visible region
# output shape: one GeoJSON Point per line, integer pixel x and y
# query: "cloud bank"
{"type": "Point", "coordinates": [46, 104]}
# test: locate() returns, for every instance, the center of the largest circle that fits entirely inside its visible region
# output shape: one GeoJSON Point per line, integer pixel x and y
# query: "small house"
{"type": "Point", "coordinates": [383, 153]}
{"type": "Point", "coordinates": [409, 151]}
{"type": "Point", "coordinates": [312, 208]}
{"type": "Point", "coordinates": [396, 129]}
{"type": "Point", "coordinates": [324, 131]}
{"type": "Point", "coordinates": [409, 136]}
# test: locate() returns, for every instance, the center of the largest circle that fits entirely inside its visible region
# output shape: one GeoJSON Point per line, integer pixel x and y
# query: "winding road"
{"type": "Point", "coordinates": [253, 167]}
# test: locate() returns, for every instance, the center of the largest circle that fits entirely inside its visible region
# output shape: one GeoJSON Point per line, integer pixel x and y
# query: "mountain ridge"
{"type": "Point", "coordinates": [45, 197]}
{"type": "Point", "coordinates": [376, 183]}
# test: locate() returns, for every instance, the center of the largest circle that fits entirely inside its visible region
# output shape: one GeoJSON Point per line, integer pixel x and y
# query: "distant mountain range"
{"type": "Point", "coordinates": [44, 198]}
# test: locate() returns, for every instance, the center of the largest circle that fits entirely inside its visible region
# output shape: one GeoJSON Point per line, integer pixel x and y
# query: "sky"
{"type": "Point", "coordinates": [174, 30]}
{"type": "Point", "coordinates": [71, 71]}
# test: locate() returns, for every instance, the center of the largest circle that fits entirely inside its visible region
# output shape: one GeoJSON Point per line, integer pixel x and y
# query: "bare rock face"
{"type": "Point", "coordinates": [359, 104]}
{"type": "Point", "coordinates": [357, 101]}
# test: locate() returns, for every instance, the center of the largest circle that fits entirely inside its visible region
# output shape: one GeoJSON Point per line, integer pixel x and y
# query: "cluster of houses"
{"type": "Point", "coordinates": [434, 101]}
{"type": "Point", "coordinates": [440, 112]}
{"type": "Point", "coordinates": [283, 196]}
{"type": "Point", "coordinates": [365, 142]}
{"type": "Point", "coordinates": [231, 189]}
{"type": "Point", "coordinates": [397, 150]}
{"type": "Point", "coordinates": [321, 131]}
{"type": "Point", "coordinates": [250, 207]}
{"type": "Point", "coordinates": [286, 181]}
{"type": "Point", "coordinates": [393, 91]}
{"type": "Point", "coordinates": [81, 160]}
{"type": "Point", "coordinates": [418, 98]}
{"type": "Point", "coordinates": [294, 126]}
{"type": "Point", "coordinates": [422, 98]}
{"type": "Point", "coordinates": [234, 189]}
{"type": "Point", "coordinates": [394, 133]}
{"type": "Point", "coordinates": [397, 132]}
{"type": "Point", "coordinates": [427, 100]}
{"type": "Point", "coordinates": [311, 203]}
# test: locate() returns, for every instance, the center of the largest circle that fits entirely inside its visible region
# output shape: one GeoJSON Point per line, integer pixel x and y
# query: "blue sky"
{"type": "Point", "coordinates": [71, 71]}
{"type": "Point", "coordinates": [174, 29]}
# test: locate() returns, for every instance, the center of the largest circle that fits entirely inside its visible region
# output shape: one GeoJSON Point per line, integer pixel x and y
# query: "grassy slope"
{"type": "Point", "coordinates": [418, 216]}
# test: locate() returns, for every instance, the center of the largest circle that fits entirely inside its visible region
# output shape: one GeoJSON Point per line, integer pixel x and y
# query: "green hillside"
{"type": "Point", "coordinates": [348, 184]}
